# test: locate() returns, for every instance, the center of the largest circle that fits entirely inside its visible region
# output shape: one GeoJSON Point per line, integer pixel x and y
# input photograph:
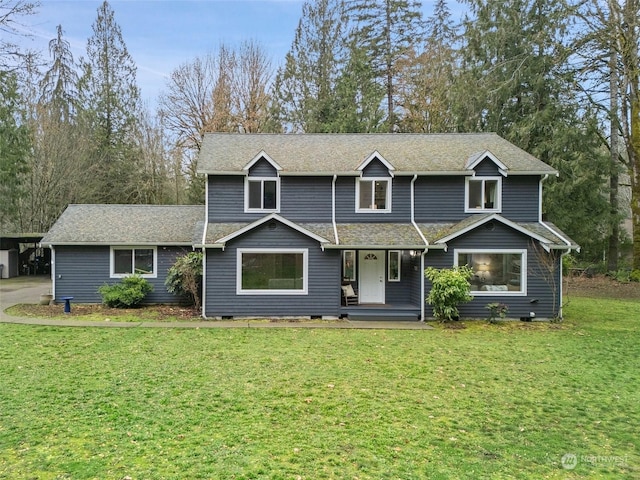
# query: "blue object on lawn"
{"type": "Point", "coordinates": [67, 304]}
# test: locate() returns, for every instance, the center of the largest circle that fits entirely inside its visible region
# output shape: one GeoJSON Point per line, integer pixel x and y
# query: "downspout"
{"type": "Point", "coordinates": [562, 255]}
{"type": "Point", "coordinates": [333, 209]}
{"type": "Point", "coordinates": [540, 214]}
{"type": "Point", "coordinates": [53, 271]}
{"type": "Point", "coordinates": [203, 302]}
{"type": "Point", "coordinates": [424, 252]}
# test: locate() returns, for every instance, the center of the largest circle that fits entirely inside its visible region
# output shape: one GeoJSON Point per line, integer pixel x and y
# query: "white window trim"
{"type": "Point", "coordinates": [248, 179]}
{"type": "Point", "coordinates": [344, 267]}
{"type": "Point", "coordinates": [112, 262]}
{"type": "Point", "coordinates": [399, 253]}
{"type": "Point", "coordinates": [523, 270]}
{"type": "Point", "coordinates": [373, 180]}
{"type": "Point", "coordinates": [305, 273]}
{"type": "Point", "coordinates": [497, 207]}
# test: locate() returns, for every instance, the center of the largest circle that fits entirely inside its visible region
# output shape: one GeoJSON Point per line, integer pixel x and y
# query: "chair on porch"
{"type": "Point", "coordinates": [349, 295]}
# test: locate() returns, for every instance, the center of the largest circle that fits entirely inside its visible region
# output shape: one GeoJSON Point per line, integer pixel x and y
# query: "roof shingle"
{"type": "Point", "coordinates": [343, 153]}
{"type": "Point", "coordinates": [126, 225]}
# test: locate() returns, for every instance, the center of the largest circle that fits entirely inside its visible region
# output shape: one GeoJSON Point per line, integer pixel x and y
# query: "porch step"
{"type": "Point", "coordinates": [382, 315]}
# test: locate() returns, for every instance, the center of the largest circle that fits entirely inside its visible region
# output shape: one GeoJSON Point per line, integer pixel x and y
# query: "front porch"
{"type": "Point", "coordinates": [383, 312]}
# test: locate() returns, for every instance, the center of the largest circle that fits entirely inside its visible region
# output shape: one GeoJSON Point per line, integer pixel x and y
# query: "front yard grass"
{"type": "Point", "coordinates": [489, 401]}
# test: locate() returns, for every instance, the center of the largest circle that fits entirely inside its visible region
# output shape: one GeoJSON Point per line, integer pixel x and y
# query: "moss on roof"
{"type": "Point", "coordinates": [126, 225]}
{"type": "Point", "coordinates": [344, 153]}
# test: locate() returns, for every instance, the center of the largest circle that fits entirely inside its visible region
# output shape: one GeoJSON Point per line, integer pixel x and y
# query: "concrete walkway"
{"type": "Point", "coordinates": [28, 289]}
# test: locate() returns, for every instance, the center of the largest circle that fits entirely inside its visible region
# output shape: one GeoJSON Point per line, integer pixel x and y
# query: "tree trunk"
{"type": "Point", "coordinates": [614, 233]}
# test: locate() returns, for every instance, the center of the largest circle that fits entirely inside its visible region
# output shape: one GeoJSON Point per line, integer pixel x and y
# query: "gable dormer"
{"type": "Point", "coordinates": [262, 185]}
{"type": "Point", "coordinates": [483, 189]}
{"type": "Point", "coordinates": [374, 185]}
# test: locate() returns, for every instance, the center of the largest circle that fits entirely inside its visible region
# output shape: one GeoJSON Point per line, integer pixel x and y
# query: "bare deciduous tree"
{"type": "Point", "coordinates": [221, 92]}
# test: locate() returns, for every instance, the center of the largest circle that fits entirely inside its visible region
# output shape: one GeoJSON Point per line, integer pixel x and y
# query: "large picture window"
{"type": "Point", "coordinates": [133, 260]}
{"type": "Point", "coordinates": [272, 271]}
{"type": "Point", "coordinates": [495, 272]}
{"type": "Point", "coordinates": [483, 194]}
{"type": "Point", "coordinates": [262, 194]}
{"type": "Point", "coordinates": [373, 195]}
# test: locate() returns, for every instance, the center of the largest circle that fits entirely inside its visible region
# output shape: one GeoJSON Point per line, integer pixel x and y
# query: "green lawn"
{"type": "Point", "coordinates": [485, 402]}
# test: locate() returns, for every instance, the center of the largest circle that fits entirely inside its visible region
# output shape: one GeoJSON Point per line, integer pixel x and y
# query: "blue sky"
{"type": "Point", "coordinates": [162, 34]}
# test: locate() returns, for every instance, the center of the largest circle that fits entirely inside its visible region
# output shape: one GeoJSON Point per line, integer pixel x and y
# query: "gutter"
{"type": "Point", "coordinates": [116, 244]}
{"type": "Point", "coordinates": [377, 247]}
{"type": "Point", "coordinates": [570, 247]}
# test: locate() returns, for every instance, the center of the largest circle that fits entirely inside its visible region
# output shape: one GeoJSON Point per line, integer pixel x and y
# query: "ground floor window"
{"type": "Point", "coordinates": [495, 272]}
{"type": "Point", "coordinates": [272, 271]}
{"type": "Point", "coordinates": [133, 260]}
{"type": "Point", "coordinates": [393, 265]}
{"type": "Point", "coordinates": [349, 265]}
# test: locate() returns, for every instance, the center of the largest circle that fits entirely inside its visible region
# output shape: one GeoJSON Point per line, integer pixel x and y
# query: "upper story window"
{"type": "Point", "coordinates": [373, 195]}
{"type": "Point", "coordinates": [483, 194]}
{"type": "Point", "coordinates": [133, 260]}
{"type": "Point", "coordinates": [262, 194]}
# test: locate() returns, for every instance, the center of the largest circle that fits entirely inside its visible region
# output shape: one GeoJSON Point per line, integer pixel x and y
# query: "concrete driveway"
{"type": "Point", "coordinates": [25, 289]}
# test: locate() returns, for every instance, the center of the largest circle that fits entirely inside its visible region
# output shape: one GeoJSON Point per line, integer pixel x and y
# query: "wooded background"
{"type": "Point", "coordinates": [558, 78]}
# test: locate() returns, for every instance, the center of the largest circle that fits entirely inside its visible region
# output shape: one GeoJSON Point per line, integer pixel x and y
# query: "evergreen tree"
{"type": "Point", "coordinates": [357, 97]}
{"type": "Point", "coordinates": [110, 106]}
{"type": "Point", "coordinates": [304, 87]}
{"type": "Point", "coordinates": [57, 175]}
{"type": "Point", "coordinates": [515, 82]}
{"type": "Point", "coordinates": [14, 150]}
{"type": "Point", "coordinates": [387, 30]}
{"type": "Point", "coordinates": [425, 91]}
{"type": "Point", "coordinates": [608, 46]}
{"type": "Point", "coordinates": [59, 85]}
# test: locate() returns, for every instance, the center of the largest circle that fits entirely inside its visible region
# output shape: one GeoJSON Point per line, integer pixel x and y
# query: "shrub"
{"type": "Point", "coordinates": [496, 310]}
{"type": "Point", "coordinates": [128, 293]}
{"type": "Point", "coordinates": [634, 276]}
{"type": "Point", "coordinates": [449, 288]}
{"type": "Point", "coordinates": [185, 277]}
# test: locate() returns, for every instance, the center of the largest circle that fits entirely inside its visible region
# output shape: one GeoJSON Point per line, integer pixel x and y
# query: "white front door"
{"type": "Point", "coordinates": [371, 282]}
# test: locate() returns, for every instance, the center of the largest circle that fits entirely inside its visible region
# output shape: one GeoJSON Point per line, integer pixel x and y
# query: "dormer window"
{"type": "Point", "coordinates": [483, 194]}
{"type": "Point", "coordinates": [262, 194]}
{"type": "Point", "coordinates": [373, 195]}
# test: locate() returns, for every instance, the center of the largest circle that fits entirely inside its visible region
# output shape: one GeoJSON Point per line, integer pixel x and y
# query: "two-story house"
{"type": "Point", "coordinates": [330, 225]}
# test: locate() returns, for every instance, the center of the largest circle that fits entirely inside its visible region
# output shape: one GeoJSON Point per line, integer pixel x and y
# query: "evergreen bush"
{"type": "Point", "coordinates": [128, 293]}
{"type": "Point", "coordinates": [449, 288]}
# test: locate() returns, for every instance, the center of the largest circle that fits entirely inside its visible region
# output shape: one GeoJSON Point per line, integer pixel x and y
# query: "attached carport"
{"type": "Point", "coordinates": [21, 254]}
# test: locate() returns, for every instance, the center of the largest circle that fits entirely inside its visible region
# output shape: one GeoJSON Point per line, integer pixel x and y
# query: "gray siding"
{"type": "Point", "coordinates": [305, 199]}
{"type": "Point", "coordinates": [302, 199]}
{"type": "Point", "coordinates": [439, 199]}
{"type": "Point", "coordinates": [400, 292]}
{"type": "Point", "coordinates": [539, 297]}
{"type": "Point", "coordinates": [521, 198]}
{"type": "Point", "coordinates": [323, 298]}
{"type": "Point", "coordinates": [375, 168]}
{"type": "Point", "coordinates": [226, 199]}
{"type": "Point", "coordinates": [262, 168]}
{"type": "Point", "coordinates": [486, 168]}
{"type": "Point", "coordinates": [346, 203]}
{"type": "Point", "coordinates": [308, 199]}
{"type": "Point", "coordinates": [80, 271]}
